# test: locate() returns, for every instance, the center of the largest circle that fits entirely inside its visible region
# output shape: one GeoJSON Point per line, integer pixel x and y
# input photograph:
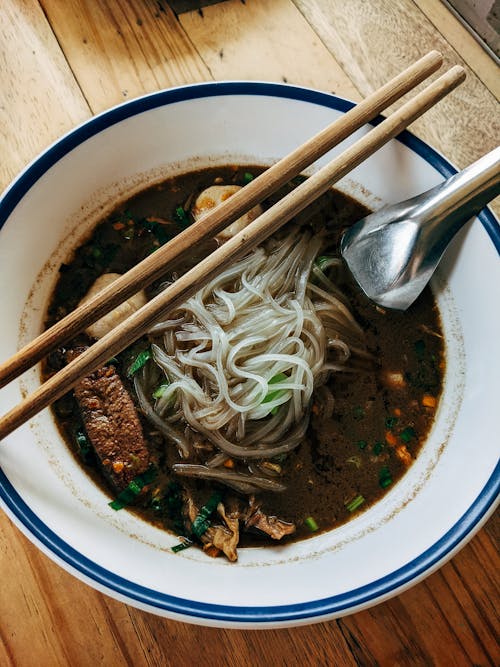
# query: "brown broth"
{"type": "Point", "coordinates": [376, 429]}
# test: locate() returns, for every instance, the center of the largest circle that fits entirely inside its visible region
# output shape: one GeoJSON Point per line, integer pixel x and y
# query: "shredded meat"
{"type": "Point", "coordinates": [112, 425]}
{"type": "Point", "coordinates": [271, 525]}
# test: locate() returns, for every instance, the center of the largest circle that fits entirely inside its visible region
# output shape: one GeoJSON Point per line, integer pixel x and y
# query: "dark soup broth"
{"type": "Point", "coordinates": [277, 403]}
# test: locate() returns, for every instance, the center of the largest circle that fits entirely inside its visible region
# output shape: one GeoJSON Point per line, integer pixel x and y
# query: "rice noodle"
{"type": "Point", "coordinates": [243, 356]}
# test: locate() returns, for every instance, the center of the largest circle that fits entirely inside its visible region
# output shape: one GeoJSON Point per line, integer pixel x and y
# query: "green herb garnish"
{"type": "Point", "coordinates": [361, 444]}
{"type": "Point", "coordinates": [159, 391]}
{"type": "Point", "coordinates": [407, 434]}
{"type": "Point", "coordinates": [181, 216]}
{"type": "Point", "coordinates": [140, 361]}
{"type": "Point", "coordinates": [355, 503]}
{"type": "Point", "coordinates": [385, 477]}
{"type": "Point", "coordinates": [247, 177]}
{"type": "Point", "coordinates": [311, 524]}
{"type": "Point", "coordinates": [202, 522]}
{"type": "Point", "coordinates": [378, 447]}
{"type": "Point", "coordinates": [185, 544]}
{"type": "Point", "coordinates": [129, 494]}
{"type": "Point", "coordinates": [391, 422]}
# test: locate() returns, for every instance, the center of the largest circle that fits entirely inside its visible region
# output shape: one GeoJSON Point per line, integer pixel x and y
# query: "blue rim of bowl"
{"type": "Point", "coordinates": [416, 569]}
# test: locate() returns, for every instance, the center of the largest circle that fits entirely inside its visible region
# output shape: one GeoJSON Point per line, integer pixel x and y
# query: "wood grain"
{"type": "Point", "coordinates": [247, 40]}
{"type": "Point", "coordinates": [34, 79]}
{"type": "Point", "coordinates": [120, 49]}
{"type": "Point", "coordinates": [369, 39]}
{"type": "Point", "coordinates": [458, 37]}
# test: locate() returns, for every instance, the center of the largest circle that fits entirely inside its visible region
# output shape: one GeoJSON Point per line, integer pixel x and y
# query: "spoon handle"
{"type": "Point", "coordinates": [463, 195]}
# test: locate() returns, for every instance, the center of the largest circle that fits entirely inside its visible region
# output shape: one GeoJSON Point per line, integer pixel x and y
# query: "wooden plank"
{"type": "Point", "coordinates": [119, 50]}
{"type": "Point", "coordinates": [372, 42]}
{"type": "Point", "coordinates": [248, 41]}
{"type": "Point", "coordinates": [39, 98]}
{"type": "Point", "coordinates": [483, 66]}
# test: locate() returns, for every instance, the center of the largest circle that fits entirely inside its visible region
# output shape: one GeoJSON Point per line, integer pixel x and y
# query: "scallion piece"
{"type": "Point", "coordinates": [185, 544]}
{"type": "Point", "coordinates": [129, 494]}
{"type": "Point", "coordinates": [181, 216]}
{"type": "Point", "coordinates": [311, 524]}
{"type": "Point", "coordinates": [355, 503]}
{"type": "Point", "coordinates": [247, 177]}
{"type": "Point", "coordinates": [391, 422]}
{"type": "Point", "coordinates": [377, 448]}
{"type": "Point", "coordinates": [140, 361]}
{"type": "Point", "coordinates": [407, 434]}
{"type": "Point", "coordinates": [202, 522]}
{"type": "Point", "coordinates": [362, 444]}
{"type": "Point", "coordinates": [159, 391]}
{"type": "Point", "coordinates": [385, 478]}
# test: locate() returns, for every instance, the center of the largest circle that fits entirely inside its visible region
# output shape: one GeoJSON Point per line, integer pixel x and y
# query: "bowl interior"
{"type": "Point", "coordinates": [421, 522]}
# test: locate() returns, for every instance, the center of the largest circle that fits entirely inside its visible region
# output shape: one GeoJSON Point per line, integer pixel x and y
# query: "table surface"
{"type": "Point", "coordinates": [63, 61]}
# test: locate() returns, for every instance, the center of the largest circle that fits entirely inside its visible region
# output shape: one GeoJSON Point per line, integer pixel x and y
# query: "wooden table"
{"type": "Point", "coordinates": [61, 61]}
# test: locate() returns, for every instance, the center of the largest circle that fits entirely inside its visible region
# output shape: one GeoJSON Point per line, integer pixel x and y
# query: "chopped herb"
{"type": "Point", "coordinates": [202, 522]}
{"type": "Point", "coordinates": [322, 262]}
{"type": "Point", "coordinates": [362, 444]}
{"type": "Point", "coordinates": [407, 434]}
{"type": "Point", "coordinates": [129, 494]}
{"type": "Point", "coordinates": [358, 412]}
{"type": "Point", "coordinates": [181, 216]}
{"type": "Point", "coordinates": [391, 422]}
{"type": "Point", "coordinates": [355, 503]}
{"type": "Point", "coordinates": [276, 393]}
{"type": "Point", "coordinates": [158, 393]}
{"type": "Point", "coordinates": [185, 544]}
{"type": "Point", "coordinates": [112, 362]}
{"type": "Point", "coordinates": [311, 524]}
{"type": "Point", "coordinates": [385, 478]}
{"type": "Point", "coordinates": [84, 446]}
{"type": "Point", "coordinates": [247, 177]}
{"type": "Point", "coordinates": [140, 361]}
{"type": "Point", "coordinates": [378, 447]}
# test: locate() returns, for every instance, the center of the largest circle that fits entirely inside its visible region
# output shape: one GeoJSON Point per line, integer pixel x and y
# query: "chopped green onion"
{"type": "Point", "coordinates": [311, 524]}
{"type": "Point", "coordinates": [181, 216]}
{"type": "Point", "coordinates": [378, 447]}
{"type": "Point", "coordinates": [322, 262]}
{"type": "Point", "coordinates": [391, 422]}
{"type": "Point", "coordinates": [362, 444]}
{"type": "Point", "coordinates": [407, 434]}
{"type": "Point", "coordinates": [276, 393]}
{"type": "Point", "coordinates": [159, 391]}
{"type": "Point", "coordinates": [185, 544]}
{"type": "Point", "coordinates": [140, 361]}
{"type": "Point", "coordinates": [385, 478]}
{"type": "Point", "coordinates": [129, 494]}
{"type": "Point", "coordinates": [247, 177]}
{"type": "Point", "coordinates": [358, 412]}
{"type": "Point", "coordinates": [202, 522]}
{"type": "Point", "coordinates": [112, 362]}
{"type": "Point", "coordinates": [84, 447]}
{"type": "Point", "coordinates": [355, 503]}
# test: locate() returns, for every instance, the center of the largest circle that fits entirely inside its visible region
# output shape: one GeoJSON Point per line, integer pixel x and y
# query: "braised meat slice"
{"type": "Point", "coordinates": [113, 426]}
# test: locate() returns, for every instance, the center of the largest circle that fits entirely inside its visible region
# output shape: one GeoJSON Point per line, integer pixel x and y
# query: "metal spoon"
{"type": "Point", "coordinates": [393, 253]}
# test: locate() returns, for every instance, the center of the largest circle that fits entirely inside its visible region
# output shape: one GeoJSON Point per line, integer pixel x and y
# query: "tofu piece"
{"type": "Point", "coordinates": [117, 315]}
{"type": "Point", "coordinates": [213, 197]}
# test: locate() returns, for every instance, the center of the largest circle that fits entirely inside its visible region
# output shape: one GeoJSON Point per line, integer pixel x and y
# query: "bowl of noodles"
{"type": "Point", "coordinates": [277, 450]}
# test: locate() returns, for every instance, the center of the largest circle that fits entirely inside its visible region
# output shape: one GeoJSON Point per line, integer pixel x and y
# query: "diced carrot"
{"type": "Point", "coordinates": [428, 401]}
{"type": "Point", "coordinates": [229, 463]}
{"type": "Point", "coordinates": [118, 225]}
{"type": "Point", "coordinates": [397, 412]}
{"type": "Point", "coordinates": [118, 466]}
{"type": "Point", "coordinates": [391, 439]}
{"type": "Point", "coordinates": [403, 454]}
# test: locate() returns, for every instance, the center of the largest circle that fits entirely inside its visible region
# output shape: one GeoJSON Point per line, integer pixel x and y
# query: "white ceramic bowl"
{"type": "Point", "coordinates": [443, 499]}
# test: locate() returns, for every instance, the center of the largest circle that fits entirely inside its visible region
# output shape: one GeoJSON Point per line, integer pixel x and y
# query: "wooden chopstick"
{"type": "Point", "coordinates": [271, 220]}
{"type": "Point", "coordinates": [151, 268]}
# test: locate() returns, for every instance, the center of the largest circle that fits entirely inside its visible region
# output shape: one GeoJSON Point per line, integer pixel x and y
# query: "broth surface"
{"type": "Point", "coordinates": [348, 459]}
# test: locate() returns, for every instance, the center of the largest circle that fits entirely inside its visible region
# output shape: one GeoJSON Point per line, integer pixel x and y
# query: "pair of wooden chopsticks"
{"type": "Point", "coordinates": [155, 265]}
